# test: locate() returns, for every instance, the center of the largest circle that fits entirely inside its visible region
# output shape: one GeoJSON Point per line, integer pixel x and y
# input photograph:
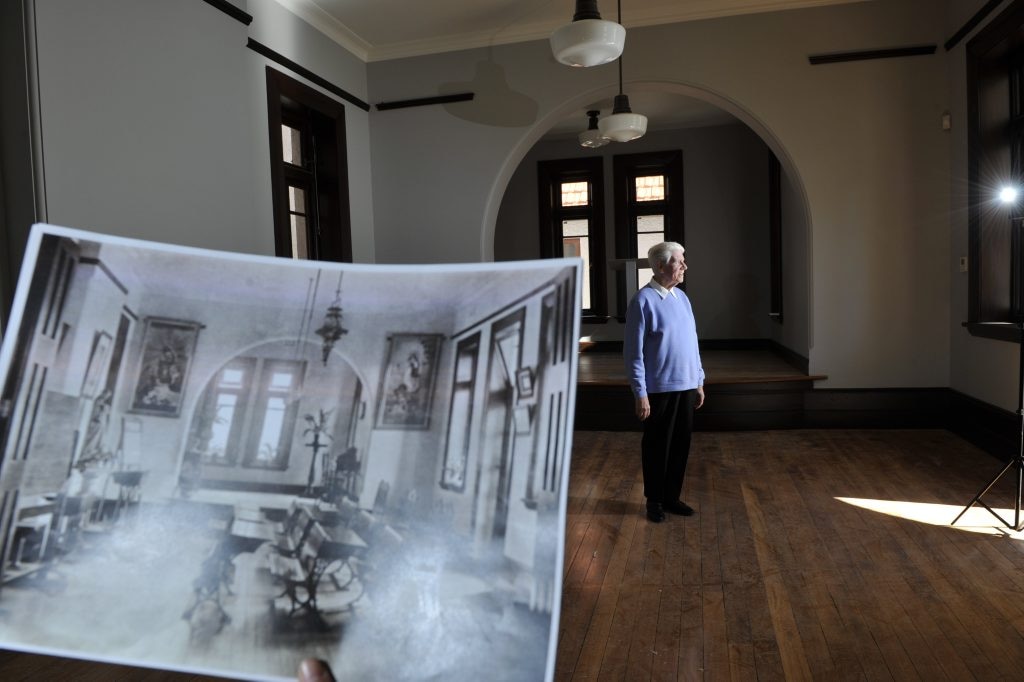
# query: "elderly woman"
{"type": "Point", "coordinates": [665, 372]}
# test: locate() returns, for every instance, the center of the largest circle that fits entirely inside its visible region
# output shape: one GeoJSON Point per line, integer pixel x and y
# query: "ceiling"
{"type": "Point", "coordinates": [376, 30]}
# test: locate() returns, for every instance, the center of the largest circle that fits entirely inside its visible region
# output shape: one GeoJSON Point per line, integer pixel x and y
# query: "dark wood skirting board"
{"type": "Point", "coordinates": [798, 405]}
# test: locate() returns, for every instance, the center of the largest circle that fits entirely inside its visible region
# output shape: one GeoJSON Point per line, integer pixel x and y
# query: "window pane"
{"type": "Point", "coordinates": [232, 377]}
{"type": "Point", "coordinates": [462, 410]}
{"type": "Point", "coordinates": [296, 200]}
{"type": "Point", "coordinates": [650, 188]}
{"type": "Point", "coordinates": [464, 367]}
{"type": "Point", "coordinates": [579, 247]}
{"type": "Point", "coordinates": [299, 237]}
{"type": "Point", "coordinates": [645, 241]}
{"type": "Point", "coordinates": [226, 404]}
{"type": "Point", "coordinates": [575, 194]}
{"type": "Point", "coordinates": [281, 380]}
{"type": "Point", "coordinates": [575, 228]}
{"type": "Point", "coordinates": [643, 276]}
{"type": "Point", "coordinates": [270, 437]}
{"type": "Point", "coordinates": [292, 145]}
{"type": "Point", "coordinates": [651, 223]}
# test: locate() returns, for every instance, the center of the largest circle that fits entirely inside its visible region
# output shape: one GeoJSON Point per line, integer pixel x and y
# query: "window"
{"type": "Point", "coordinates": [308, 162]}
{"type": "Point", "coordinates": [572, 221]}
{"type": "Point", "coordinates": [248, 413]}
{"type": "Point", "coordinates": [995, 76]}
{"type": "Point", "coordinates": [648, 207]}
{"type": "Point", "coordinates": [460, 415]}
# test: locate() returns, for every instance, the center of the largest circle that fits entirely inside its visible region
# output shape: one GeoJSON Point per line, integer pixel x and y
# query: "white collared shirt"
{"type": "Point", "coordinates": [662, 291]}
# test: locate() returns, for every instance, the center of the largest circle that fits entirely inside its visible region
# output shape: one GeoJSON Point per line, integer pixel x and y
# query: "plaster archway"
{"type": "Point", "coordinates": [580, 101]}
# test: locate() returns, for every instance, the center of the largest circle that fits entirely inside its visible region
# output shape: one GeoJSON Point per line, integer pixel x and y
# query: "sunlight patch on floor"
{"type": "Point", "coordinates": [977, 519]}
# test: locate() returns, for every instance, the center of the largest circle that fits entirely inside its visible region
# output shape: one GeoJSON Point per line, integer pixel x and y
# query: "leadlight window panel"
{"type": "Point", "coordinates": [575, 194]}
{"type": "Point", "coordinates": [650, 188]}
{"type": "Point", "coordinates": [291, 140]}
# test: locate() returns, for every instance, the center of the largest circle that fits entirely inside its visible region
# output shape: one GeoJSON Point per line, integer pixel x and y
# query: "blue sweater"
{"type": "Point", "coordinates": [660, 345]}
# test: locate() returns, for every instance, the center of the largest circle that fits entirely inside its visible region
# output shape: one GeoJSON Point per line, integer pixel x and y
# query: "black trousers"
{"type": "Point", "coordinates": [666, 444]}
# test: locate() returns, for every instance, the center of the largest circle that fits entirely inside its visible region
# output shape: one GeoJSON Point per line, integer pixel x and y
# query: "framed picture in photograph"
{"type": "Point", "coordinates": [168, 347]}
{"type": "Point", "coordinates": [524, 382]}
{"type": "Point", "coordinates": [407, 381]}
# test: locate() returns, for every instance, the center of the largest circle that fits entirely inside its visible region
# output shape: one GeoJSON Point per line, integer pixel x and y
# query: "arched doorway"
{"type": "Point", "coordinates": [747, 232]}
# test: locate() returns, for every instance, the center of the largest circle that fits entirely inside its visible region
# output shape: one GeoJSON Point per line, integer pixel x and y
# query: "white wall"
{"type": "Point", "coordinates": [983, 368]}
{"type": "Point", "coordinates": [862, 139]}
{"type": "Point", "coordinates": [154, 119]}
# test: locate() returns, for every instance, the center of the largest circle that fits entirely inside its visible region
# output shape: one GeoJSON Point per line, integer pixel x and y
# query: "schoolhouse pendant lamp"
{"type": "Point", "coordinates": [589, 40]}
{"type": "Point", "coordinates": [592, 137]}
{"type": "Point", "coordinates": [623, 125]}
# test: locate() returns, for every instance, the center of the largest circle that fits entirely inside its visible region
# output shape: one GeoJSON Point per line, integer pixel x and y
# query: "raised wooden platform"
{"type": "Point", "coordinates": [745, 389]}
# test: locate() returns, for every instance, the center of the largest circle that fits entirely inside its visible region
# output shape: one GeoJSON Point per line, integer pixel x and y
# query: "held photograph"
{"type": "Point", "coordinates": [205, 478]}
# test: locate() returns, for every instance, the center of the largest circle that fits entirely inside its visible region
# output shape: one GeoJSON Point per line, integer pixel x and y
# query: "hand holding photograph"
{"type": "Point", "coordinates": [208, 486]}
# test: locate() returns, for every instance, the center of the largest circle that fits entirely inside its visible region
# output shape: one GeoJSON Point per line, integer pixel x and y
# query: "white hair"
{"type": "Point", "coordinates": [661, 253]}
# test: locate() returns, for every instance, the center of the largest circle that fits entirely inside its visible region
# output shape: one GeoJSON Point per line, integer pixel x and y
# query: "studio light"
{"type": "Point", "coordinates": [592, 137]}
{"type": "Point", "coordinates": [588, 40]}
{"type": "Point", "coordinates": [1008, 195]}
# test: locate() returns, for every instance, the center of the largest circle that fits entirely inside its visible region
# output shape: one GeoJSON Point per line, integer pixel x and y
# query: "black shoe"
{"type": "Point", "coordinates": [680, 508]}
{"type": "Point", "coordinates": [654, 512]}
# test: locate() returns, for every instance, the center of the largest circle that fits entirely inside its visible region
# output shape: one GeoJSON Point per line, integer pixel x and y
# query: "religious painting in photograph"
{"type": "Point", "coordinates": [167, 349]}
{"type": "Point", "coordinates": [407, 381]}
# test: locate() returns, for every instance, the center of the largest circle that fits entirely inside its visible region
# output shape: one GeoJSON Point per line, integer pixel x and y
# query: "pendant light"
{"type": "Point", "coordinates": [623, 125]}
{"type": "Point", "coordinates": [589, 40]}
{"type": "Point", "coordinates": [592, 137]}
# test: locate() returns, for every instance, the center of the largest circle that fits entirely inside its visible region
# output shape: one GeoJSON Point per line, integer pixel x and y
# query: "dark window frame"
{"type": "Point", "coordinates": [321, 120]}
{"type": "Point", "coordinates": [550, 176]}
{"type": "Point", "coordinates": [625, 169]}
{"type": "Point", "coordinates": [995, 138]}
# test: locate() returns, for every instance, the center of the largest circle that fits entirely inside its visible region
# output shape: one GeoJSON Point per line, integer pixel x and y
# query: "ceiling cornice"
{"type": "Point", "coordinates": [316, 17]}
{"type": "Point", "coordinates": [675, 12]}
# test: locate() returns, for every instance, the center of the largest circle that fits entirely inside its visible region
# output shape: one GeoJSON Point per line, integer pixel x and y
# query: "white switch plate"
{"type": "Point", "coordinates": [963, 263]}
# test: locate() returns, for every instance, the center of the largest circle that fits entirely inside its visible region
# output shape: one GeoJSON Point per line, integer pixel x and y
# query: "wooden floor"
{"type": "Point", "coordinates": [814, 555]}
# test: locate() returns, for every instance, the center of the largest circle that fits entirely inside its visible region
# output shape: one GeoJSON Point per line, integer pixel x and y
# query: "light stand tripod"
{"type": "Point", "coordinates": [1017, 461]}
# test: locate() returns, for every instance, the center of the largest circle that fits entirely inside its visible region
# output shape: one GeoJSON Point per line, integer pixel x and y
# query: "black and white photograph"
{"type": "Point", "coordinates": [225, 464]}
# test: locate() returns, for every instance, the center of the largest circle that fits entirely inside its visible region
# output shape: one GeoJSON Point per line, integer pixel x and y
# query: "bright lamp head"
{"type": "Point", "coordinates": [1008, 195]}
{"type": "Point", "coordinates": [588, 42]}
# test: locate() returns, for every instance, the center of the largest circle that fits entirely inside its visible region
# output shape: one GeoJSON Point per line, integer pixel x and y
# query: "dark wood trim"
{"type": "Point", "coordinates": [425, 101]}
{"type": "Point", "coordinates": [978, 17]}
{"type": "Point", "coordinates": [550, 174]}
{"type": "Point", "coordinates": [862, 55]}
{"type": "Point", "coordinates": [991, 428]}
{"type": "Point", "coordinates": [106, 271]}
{"type": "Point", "coordinates": [279, 58]}
{"type": "Point", "coordinates": [775, 237]}
{"type": "Point", "coordinates": [1000, 331]}
{"type": "Point", "coordinates": [230, 10]}
{"type": "Point", "coordinates": [792, 357]}
{"type": "Point", "coordinates": [332, 196]}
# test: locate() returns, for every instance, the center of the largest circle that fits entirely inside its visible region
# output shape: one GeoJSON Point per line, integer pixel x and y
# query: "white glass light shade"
{"type": "Point", "coordinates": [588, 42]}
{"type": "Point", "coordinates": [593, 138]}
{"type": "Point", "coordinates": [623, 127]}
